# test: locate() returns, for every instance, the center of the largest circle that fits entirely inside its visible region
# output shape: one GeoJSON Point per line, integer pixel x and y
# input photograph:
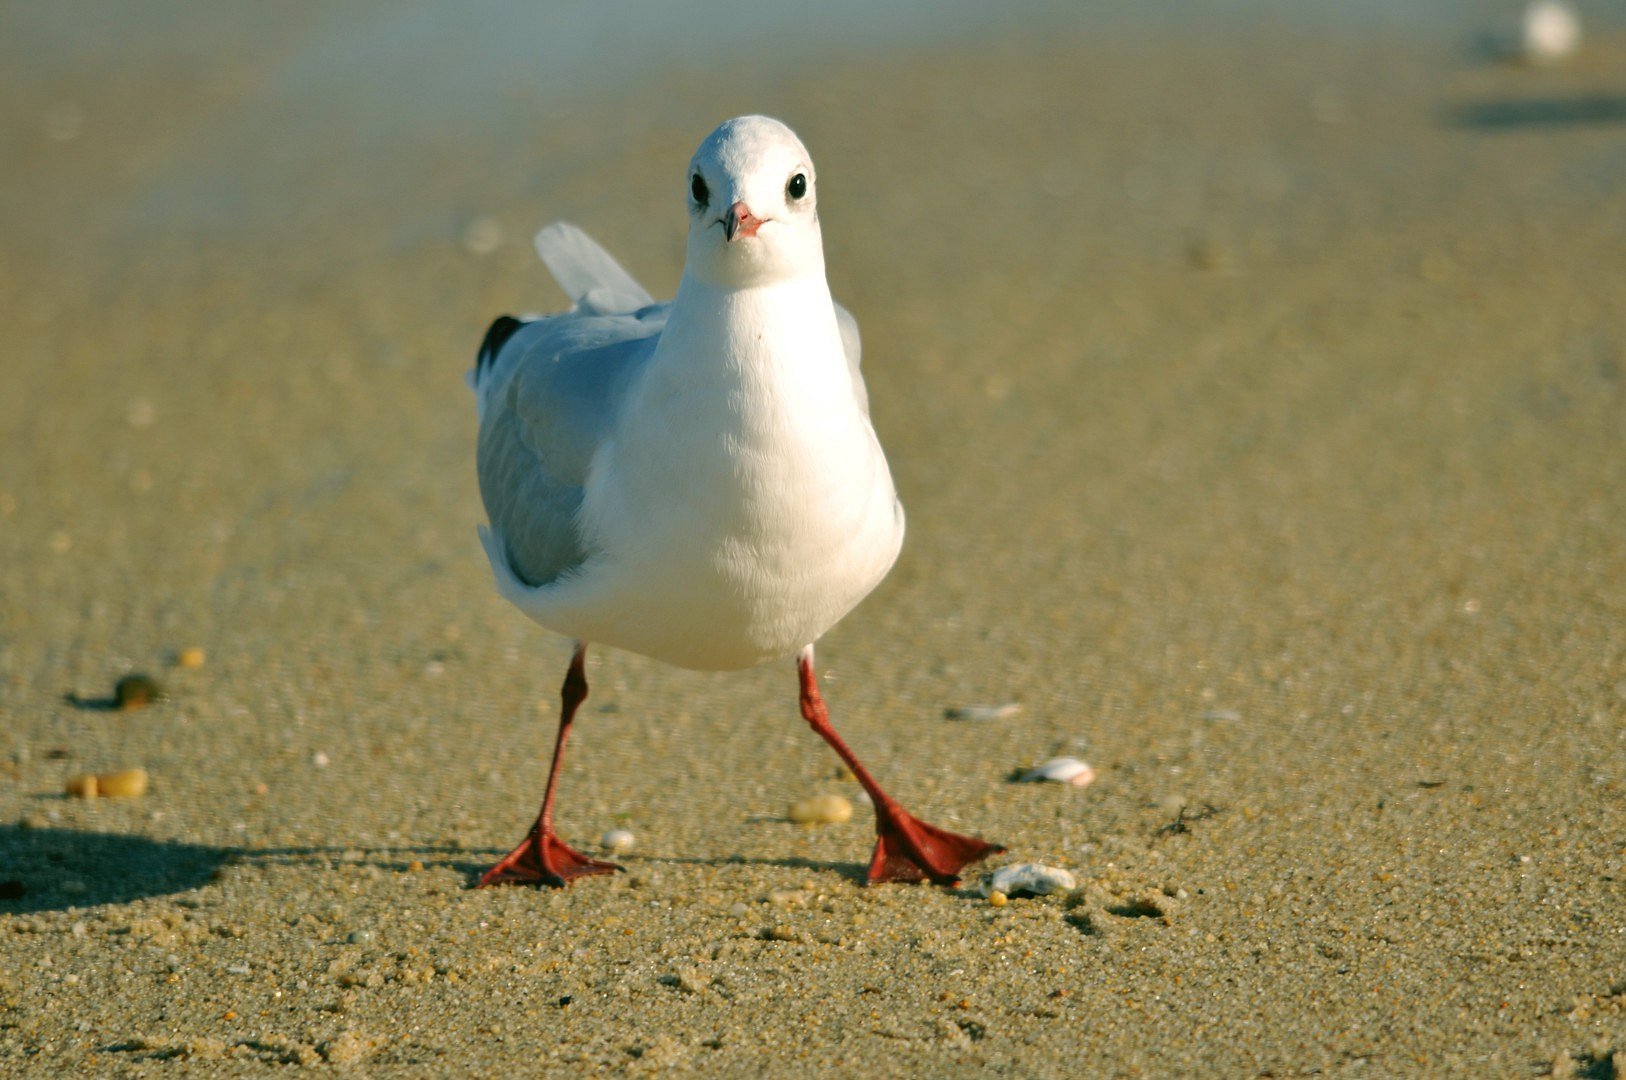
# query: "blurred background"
{"type": "Point", "coordinates": [1252, 374]}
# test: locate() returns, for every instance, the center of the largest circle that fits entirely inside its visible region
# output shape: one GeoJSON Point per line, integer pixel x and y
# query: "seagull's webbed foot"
{"type": "Point", "coordinates": [908, 849]}
{"type": "Point", "coordinates": [543, 859]}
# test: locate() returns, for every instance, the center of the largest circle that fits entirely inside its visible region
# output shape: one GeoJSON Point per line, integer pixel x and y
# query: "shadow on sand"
{"type": "Point", "coordinates": [1512, 114]}
{"type": "Point", "coordinates": [53, 869]}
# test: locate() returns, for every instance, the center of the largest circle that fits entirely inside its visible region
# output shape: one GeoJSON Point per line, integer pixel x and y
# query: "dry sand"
{"type": "Point", "coordinates": [1258, 399]}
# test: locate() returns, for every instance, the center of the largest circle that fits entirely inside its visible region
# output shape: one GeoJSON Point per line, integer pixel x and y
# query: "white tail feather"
{"type": "Point", "coordinates": [587, 273]}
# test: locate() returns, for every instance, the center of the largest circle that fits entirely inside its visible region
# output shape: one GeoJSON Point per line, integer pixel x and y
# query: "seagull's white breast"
{"type": "Point", "coordinates": [743, 504]}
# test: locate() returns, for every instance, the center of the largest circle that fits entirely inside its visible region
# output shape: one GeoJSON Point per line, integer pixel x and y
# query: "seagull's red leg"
{"type": "Point", "coordinates": [906, 848]}
{"type": "Point", "coordinates": [542, 856]}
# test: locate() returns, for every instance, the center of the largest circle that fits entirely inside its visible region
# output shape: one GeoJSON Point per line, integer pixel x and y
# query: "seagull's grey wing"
{"type": "Point", "coordinates": [550, 396]}
{"type": "Point", "coordinates": [852, 346]}
{"type": "Point", "coordinates": [587, 273]}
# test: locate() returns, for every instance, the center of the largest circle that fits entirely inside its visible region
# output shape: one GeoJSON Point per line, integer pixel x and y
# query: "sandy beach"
{"type": "Point", "coordinates": [1257, 392]}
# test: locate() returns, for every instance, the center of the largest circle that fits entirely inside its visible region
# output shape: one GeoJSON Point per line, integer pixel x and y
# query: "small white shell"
{"type": "Point", "coordinates": [1552, 31]}
{"type": "Point", "coordinates": [1062, 770]}
{"type": "Point", "coordinates": [618, 840]}
{"type": "Point", "coordinates": [983, 712]}
{"type": "Point", "coordinates": [1028, 879]}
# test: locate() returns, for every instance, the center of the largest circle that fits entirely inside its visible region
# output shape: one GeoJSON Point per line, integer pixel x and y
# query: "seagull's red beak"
{"type": "Point", "coordinates": [739, 221]}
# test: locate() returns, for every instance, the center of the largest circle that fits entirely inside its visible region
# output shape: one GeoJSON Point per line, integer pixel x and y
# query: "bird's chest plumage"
{"type": "Point", "coordinates": [745, 504]}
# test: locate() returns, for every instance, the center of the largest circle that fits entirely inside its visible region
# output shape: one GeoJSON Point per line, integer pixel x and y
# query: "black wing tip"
{"type": "Point", "coordinates": [497, 336]}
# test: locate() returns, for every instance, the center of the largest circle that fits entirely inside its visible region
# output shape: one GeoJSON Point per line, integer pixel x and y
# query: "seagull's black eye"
{"type": "Point", "coordinates": [697, 188]}
{"type": "Point", "coordinates": [797, 186]}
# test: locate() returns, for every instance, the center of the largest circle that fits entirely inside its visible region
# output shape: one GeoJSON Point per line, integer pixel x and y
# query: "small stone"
{"type": "Point", "coordinates": [996, 898]}
{"type": "Point", "coordinates": [82, 786]}
{"type": "Point", "coordinates": [136, 691]}
{"type": "Point", "coordinates": [616, 841]}
{"type": "Point", "coordinates": [780, 933]}
{"type": "Point", "coordinates": [239, 969]}
{"type": "Point", "coordinates": [415, 866]}
{"type": "Point", "coordinates": [190, 657]}
{"type": "Point", "coordinates": [983, 712]}
{"type": "Point", "coordinates": [347, 1049]}
{"type": "Point", "coordinates": [1029, 879]}
{"type": "Point", "coordinates": [360, 937]}
{"type": "Point", "coordinates": [140, 413]}
{"type": "Point", "coordinates": [319, 759]}
{"type": "Point", "coordinates": [821, 810]}
{"type": "Point", "coordinates": [124, 784]}
{"type": "Point", "coordinates": [482, 236]}
{"type": "Point", "coordinates": [1061, 770]}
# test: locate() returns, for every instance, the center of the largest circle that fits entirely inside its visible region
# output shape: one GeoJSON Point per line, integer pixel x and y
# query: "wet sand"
{"type": "Point", "coordinates": [1257, 398]}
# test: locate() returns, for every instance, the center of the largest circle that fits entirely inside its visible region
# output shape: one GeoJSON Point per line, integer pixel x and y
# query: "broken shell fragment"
{"type": "Point", "coordinates": [1551, 32]}
{"type": "Point", "coordinates": [1028, 879]}
{"type": "Point", "coordinates": [1061, 770]}
{"type": "Point", "coordinates": [821, 810]}
{"type": "Point", "coordinates": [615, 841]}
{"type": "Point", "coordinates": [983, 712]}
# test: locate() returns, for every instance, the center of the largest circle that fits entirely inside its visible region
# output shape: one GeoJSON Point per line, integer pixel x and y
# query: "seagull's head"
{"type": "Point", "coordinates": [753, 206]}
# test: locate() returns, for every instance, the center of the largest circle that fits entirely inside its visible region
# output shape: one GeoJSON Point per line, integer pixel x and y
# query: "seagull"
{"type": "Point", "coordinates": [696, 481]}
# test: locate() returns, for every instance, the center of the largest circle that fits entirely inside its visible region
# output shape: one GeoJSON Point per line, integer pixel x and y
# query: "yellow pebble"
{"type": "Point", "coordinates": [821, 810]}
{"type": "Point", "coordinates": [190, 657]}
{"type": "Point", "coordinates": [124, 784]}
{"type": "Point", "coordinates": [996, 898]}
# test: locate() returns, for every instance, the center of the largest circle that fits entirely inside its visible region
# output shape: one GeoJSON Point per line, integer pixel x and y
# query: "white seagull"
{"type": "Point", "coordinates": [695, 481]}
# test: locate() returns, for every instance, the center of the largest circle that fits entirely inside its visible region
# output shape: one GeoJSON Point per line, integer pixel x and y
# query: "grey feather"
{"type": "Point", "coordinates": [547, 402]}
{"type": "Point", "coordinates": [587, 273]}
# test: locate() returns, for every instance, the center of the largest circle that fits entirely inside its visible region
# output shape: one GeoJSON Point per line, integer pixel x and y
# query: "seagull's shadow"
{"type": "Point", "coordinates": [54, 869]}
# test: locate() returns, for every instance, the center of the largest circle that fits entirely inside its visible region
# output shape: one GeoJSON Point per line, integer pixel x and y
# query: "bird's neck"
{"type": "Point", "coordinates": [756, 331]}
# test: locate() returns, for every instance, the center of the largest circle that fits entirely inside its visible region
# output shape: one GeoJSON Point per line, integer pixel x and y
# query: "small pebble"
{"type": "Point", "coordinates": [1061, 770]}
{"type": "Point", "coordinates": [996, 898]}
{"type": "Point", "coordinates": [983, 712]}
{"type": "Point", "coordinates": [124, 784]}
{"type": "Point", "coordinates": [360, 937]}
{"type": "Point", "coordinates": [821, 810]}
{"type": "Point", "coordinates": [482, 236]}
{"type": "Point", "coordinates": [136, 691]}
{"type": "Point", "coordinates": [415, 866]}
{"type": "Point", "coordinates": [319, 759]}
{"type": "Point", "coordinates": [239, 969]}
{"type": "Point", "coordinates": [616, 841]}
{"type": "Point", "coordinates": [1028, 879]}
{"type": "Point", "coordinates": [140, 413]}
{"type": "Point", "coordinates": [190, 657]}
